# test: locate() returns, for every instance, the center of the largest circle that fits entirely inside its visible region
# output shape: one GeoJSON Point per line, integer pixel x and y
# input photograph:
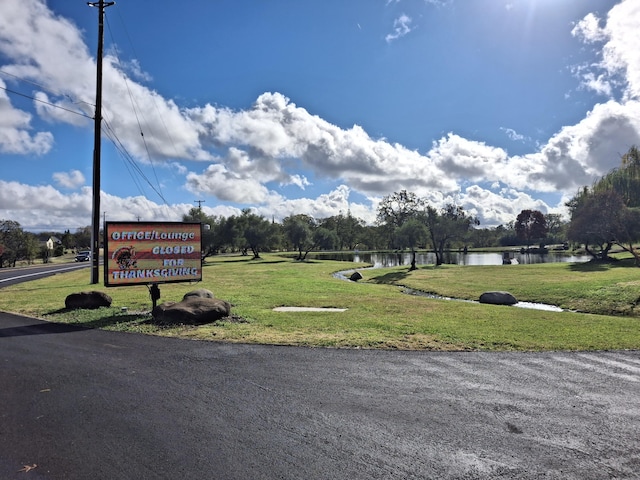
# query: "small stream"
{"type": "Point", "coordinates": [345, 274]}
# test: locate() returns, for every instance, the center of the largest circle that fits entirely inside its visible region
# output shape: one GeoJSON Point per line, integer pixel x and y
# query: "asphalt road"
{"type": "Point", "coordinates": [90, 404]}
{"type": "Point", "coordinates": [12, 276]}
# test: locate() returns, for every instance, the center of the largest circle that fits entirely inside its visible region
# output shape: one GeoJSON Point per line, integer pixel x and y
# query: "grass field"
{"type": "Point", "coordinates": [603, 299]}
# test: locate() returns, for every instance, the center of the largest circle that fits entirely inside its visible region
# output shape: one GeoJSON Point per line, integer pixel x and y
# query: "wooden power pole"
{"type": "Point", "coordinates": [95, 220]}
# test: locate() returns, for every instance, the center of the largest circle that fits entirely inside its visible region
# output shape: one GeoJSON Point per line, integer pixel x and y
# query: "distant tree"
{"type": "Point", "coordinates": [397, 208]}
{"type": "Point", "coordinates": [591, 222]}
{"type": "Point", "coordinates": [531, 226]}
{"type": "Point", "coordinates": [608, 213]}
{"type": "Point", "coordinates": [324, 239]}
{"type": "Point", "coordinates": [259, 233]}
{"type": "Point", "coordinates": [600, 219]}
{"type": "Point", "coordinates": [624, 180]}
{"type": "Point", "coordinates": [374, 237]}
{"type": "Point", "coordinates": [299, 231]}
{"type": "Point", "coordinates": [68, 240]}
{"type": "Point", "coordinates": [411, 234]}
{"type": "Point", "coordinates": [29, 247]}
{"type": "Point", "coordinates": [484, 237]}
{"type": "Point", "coordinates": [209, 224]}
{"type": "Point", "coordinates": [556, 227]}
{"type": "Point", "coordinates": [349, 229]}
{"type": "Point", "coordinates": [11, 239]}
{"type": "Point", "coordinates": [450, 223]}
{"type": "Point", "coordinates": [45, 254]}
{"type": "Point", "coordinates": [83, 237]}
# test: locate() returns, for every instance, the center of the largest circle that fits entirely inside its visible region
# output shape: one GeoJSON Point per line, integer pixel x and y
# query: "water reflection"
{"type": "Point", "coordinates": [386, 259]}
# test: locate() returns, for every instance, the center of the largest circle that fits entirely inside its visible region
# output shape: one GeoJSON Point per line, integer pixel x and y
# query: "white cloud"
{"type": "Point", "coordinates": [217, 181]}
{"type": "Point", "coordinates": [401, 27]}
{"type": "Point", "coordinates": [276, 142]}
{"type": "Point", "coordinates": [15, 127]}
{"type": "Point", "coordinates": [513, 135]}
{"type": "Point", "coordinates": [462, 158]}
{"type": "Point", "coordinates": [589, 29]}
{"type": "Point", "coordinates": [620, 54]}
{"type": "Point", "coordinates": [500, 208]}
{"type": "Point", "coordinates": [71, 180]}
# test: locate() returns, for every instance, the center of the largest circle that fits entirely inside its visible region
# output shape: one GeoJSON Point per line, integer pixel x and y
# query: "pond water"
{"type": "Point", "coordinates": [386, 259]}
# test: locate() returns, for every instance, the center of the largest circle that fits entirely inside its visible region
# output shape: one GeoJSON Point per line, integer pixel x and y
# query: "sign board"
{"type": "Point", "coordinates": [142, 253]}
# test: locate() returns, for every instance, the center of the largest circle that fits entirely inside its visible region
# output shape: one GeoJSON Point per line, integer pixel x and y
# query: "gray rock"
{"type": "Point", "coordinates": [192, 310]}
{"type": "Point", "coordinates": [498, 298]}
{"type": "Point", "coordinates": [200, 292]}
{"type": "Point", "coordinates": [90, 300]}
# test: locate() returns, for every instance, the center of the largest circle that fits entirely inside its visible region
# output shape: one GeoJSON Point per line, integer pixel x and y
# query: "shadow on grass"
{"type": "Point", "coordinates": [389, 278]}
{"type": "Point", "coordinates": [602, 265]}
{"type": "Point", "coordinates": [97, 318]}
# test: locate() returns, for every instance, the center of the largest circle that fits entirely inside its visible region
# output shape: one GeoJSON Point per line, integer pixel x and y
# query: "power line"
{"type": "Point", "coordinates": [46, 103]}
{"type": "Point", "coordinates": [46, 89]}
{"type": "Point", "coordinates": [135, 111]}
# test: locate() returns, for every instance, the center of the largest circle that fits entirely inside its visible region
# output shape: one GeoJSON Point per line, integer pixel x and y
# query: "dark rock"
{"type": "Point", "coordinates": [355, 276]}
{"type": "Point", "coordinates": [192, 310]}
{"type": "Point", "coordinates": [200, 292]}
{"type": "Point", "coordinates": [90, 300]}
{"type": "Point", "coordinates": [498, 298]}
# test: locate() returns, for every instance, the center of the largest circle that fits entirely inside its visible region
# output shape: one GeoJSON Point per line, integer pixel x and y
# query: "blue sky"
{"type": "Point", "coordinates": [317, 107]}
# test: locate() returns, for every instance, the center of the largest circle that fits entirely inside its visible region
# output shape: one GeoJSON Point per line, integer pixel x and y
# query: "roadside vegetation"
{"type": "Point", "coordinates": [378, 314]}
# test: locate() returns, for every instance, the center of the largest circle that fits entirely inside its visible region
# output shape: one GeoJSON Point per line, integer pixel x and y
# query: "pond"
{"type": "Point", "coordinates": [387, 259]}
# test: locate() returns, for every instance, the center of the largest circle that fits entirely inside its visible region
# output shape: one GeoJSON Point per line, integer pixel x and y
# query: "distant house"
{"type": "Point", "coordinates": [52, 243]}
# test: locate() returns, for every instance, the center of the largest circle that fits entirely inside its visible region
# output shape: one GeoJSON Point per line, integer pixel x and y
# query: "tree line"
{"type": "Point", "coordinates": [17, 245]}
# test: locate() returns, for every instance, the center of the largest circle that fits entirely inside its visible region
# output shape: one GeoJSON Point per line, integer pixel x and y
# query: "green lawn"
{"type": "Point", "coordinates": [378, 314]}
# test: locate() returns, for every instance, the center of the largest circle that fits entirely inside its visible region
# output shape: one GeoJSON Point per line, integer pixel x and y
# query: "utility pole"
{"type": "Point", "coordinates": [199, 202]}
{"type": "Point", "coordinates": [95, 219]}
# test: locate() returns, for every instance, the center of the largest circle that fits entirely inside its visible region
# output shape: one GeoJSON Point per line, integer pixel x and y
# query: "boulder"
{"type": "Point", "coordinates": [200, 292]}
{"type": "Point", "coordinates": [498, 298]}
{"type": "Point", "coordinates": [355, 276]}
{"type": "Point", "coordinates": [91, 300]}
{"type": "Point", "coordinates": [192, 310]}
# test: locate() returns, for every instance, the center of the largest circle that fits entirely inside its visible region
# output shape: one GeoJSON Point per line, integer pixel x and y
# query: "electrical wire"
{"type": "Point", "coordinates": [135, 111]}
{"type": "Point", "coordinates": [30, 97]}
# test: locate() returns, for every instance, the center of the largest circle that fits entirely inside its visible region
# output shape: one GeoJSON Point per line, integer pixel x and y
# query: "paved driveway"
{"type": "Point", "coordinates": [85, 404]}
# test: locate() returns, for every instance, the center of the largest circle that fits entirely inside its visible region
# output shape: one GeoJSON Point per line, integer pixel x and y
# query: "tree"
{"type": "Point", "coordinates": [395, 209]}
{"type": "Point", "coordinates": [411, 234]}
{"type": "Point", "coordinates": [258, 232]}
{"type": "Point", "coordinates": [556, 227]}
{"type": "Point", "coordinates": [607, 214]}
{"type": "Point", "coordinates": [68, 240]}
{"type": "Point", "coordinates": [349, 230]}
{"type": "Point", "coordinates": [29, 247]}
{"type": "Point", "coordinates": [324, 239]}
{"type": "Point", "coordinates": [449, 224]}
{"type": "Point", "coordinates": [298, 230]}
{"type": "Point", "coordinates": [601, 219]}
{"type": "Point", "coordinates": [624, 180]}
{"type": "Point", "coordinates": [209, 223]}
{"type": "Point", "coordinates": [592, 222]}
{"type": "Point", "coordinates": [531, 225]}
{"type": "Point", "coordinates": [83, 237]}
{"type": "Point", "coordinates": [11, 239]}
